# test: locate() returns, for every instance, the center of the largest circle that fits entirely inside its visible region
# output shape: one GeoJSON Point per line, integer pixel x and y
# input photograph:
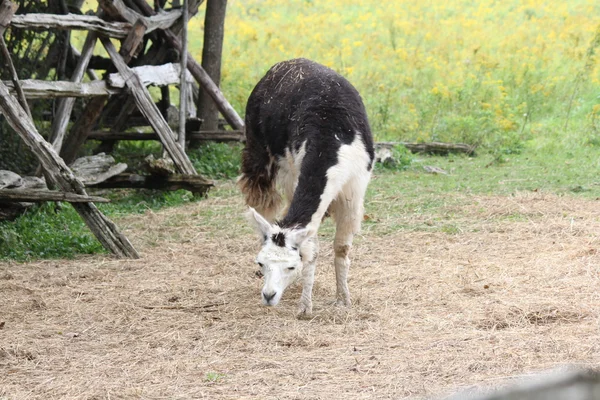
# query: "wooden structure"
{"type": "Point", "coordinates": [148, 39]}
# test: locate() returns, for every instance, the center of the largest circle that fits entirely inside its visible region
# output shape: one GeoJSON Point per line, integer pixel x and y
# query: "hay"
{"type": "Point", "coordinates": [514, 290]}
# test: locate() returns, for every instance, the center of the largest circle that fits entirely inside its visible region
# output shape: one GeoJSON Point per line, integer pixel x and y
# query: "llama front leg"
{"type": "Point", "coordinates": [308, 279]}
{"type": "Point", "coordinates": [348, 213]}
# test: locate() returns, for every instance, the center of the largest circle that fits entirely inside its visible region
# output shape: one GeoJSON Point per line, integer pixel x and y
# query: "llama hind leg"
{"type": "Point", "coordinates": [348, 213]}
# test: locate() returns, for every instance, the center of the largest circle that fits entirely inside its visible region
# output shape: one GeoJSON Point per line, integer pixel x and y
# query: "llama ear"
{"type": "Point", "coordinates": [258, 222]}
{"type": "Point", "coordinates": [298, 236]}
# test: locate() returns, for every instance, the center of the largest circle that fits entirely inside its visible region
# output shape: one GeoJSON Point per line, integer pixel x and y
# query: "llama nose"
{"type": "Point", "coordinates": [268, 296]}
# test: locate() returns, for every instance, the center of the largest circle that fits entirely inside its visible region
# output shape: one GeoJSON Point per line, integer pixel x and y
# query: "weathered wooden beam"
{"type": "Point", "coordinates": [72, 22]}
{"type": "Point", "coordinates": [183, 85]}
{"type": "Point", "coordinates": [156, 75]}
{"type": "Point", "coordinates": [148, 108]}
{"type": "Point", "coordinates": [63, 115]}
{"type": "Point", "coordinates": [216, 136]}
{"type": "Point", "coordinates": [131, 46]}
{"type": "Point", "coordinates": [36, 89]}
{"type": "Point", "coordinates": [193, 183]}
{"type": "Point", "coordinates": [57, 171]}
{"type": "Point", "coordinates": [16, 195]}
{"type": "Point", "coordinates": [7, 11]}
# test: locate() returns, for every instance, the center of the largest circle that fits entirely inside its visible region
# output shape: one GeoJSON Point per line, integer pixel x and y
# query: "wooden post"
{"type": "Point", "coordinates": [58, 172]}
{"type": "Point", "coordinates": [212, 50]}
{"type": "Point", "coordinates": [183, 85]}
{"type": "Point", "coordinates": [148, 108]}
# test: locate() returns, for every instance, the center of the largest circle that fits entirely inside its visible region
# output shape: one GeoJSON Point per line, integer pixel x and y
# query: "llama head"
{"type": "Point", "coordinates": [282, 256]}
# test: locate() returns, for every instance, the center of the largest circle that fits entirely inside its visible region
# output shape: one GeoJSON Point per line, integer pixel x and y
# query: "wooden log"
{"type": "Point", "coordinates": [36, 89]}
{"type": "Point", "coordinates": [433, 147]}
{"type": "Point", "coordinates": [216, 136]}
{"type": "Point", "coordinates": [148, 108]}
{"type": "Point", "coordinates": [7, 11]}
{"type": "Point", "coordinates": [63, 115]}
{"type": "Point", "coordinates": [193, 183]}
{"type": "Point", "coordinates": [82, 128]}
{"type": "Point", "coordinates": [36, 196]}
{"type": "Point", "coordinates": [156, 75]}
{"type": "Point", "coordinates": [72, 22]}
{"type": "Point", "coordinates": [58, 172]}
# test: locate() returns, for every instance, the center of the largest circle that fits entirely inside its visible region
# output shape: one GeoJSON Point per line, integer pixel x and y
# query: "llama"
{"type": "Point", "coordinates": [307, 133]}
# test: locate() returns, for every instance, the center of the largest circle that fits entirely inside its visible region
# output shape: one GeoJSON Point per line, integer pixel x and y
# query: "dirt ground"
{"type": "Point", "coordinates": [513, 290]}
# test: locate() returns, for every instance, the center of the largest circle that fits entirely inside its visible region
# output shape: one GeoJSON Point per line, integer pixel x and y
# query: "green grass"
{"type": "Point", "coordinates": [405, 189]}
{"type": "Point", "coordinates": [46, 232]}
{"type": "Point", "coordinates": [50, 232]}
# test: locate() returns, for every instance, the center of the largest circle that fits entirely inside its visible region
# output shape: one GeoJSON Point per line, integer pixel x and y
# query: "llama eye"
{"type": "Point", "coordinates": [260, 265]}
{"type": "Point", "coordinates": [291, 268]}
{"type": "Point", "coordinates": [295, 248]}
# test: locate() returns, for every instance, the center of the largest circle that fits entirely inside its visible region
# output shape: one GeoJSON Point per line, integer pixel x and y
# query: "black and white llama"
{"type": "Point", "coordinates": [307, 133]}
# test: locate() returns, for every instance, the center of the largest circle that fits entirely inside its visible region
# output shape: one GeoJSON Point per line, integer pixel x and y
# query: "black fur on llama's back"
{"type": "Point", "coordinates": [299, 101]}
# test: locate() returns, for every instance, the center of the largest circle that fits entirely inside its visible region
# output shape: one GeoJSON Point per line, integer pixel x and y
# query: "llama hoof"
{"type": "Point", "coordinates": [343, 303]}
{"type": "Point", "coordinates": [304, 310]}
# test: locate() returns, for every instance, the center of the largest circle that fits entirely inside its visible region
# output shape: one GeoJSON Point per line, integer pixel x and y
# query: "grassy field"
{"type": "Point", "coordinates": [491, 73]}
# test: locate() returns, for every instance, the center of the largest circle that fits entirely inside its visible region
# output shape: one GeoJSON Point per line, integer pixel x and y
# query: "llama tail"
{"type": "Point", "coordinates": [258, 183]}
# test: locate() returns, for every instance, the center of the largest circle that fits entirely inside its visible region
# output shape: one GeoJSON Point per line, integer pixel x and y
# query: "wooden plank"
{"type": "Point", "coordinates": [72, 22]}
{"type": "Point", "coordinates": [58, 173]}
{"type": "Point", "coordinates": [193, 183]}
{"type": "Point", "coordinates": [148, 108]}
{"type": "Point", "coordinates": [157, 75]}
{"type": "Point", "coordinates": [16, 195]}
{"type": "Point", "coordinates": [36, 89]}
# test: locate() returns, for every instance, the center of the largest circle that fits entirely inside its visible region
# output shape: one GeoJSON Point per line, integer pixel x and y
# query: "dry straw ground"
{"type": "Point", "coordinates": [514, 289]}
